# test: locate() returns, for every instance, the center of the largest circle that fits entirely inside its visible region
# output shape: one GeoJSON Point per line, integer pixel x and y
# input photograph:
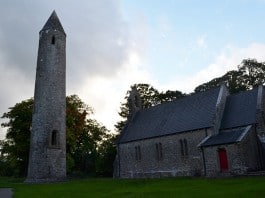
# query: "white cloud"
{"type": "Point", "coordinates": [15, 87]}
{"type": "Point", "coordinates": [105, 95]}
{"type": "Point", "coordinates": [227, 60]}
{"type": "Point", "coordinates": [102, 51]}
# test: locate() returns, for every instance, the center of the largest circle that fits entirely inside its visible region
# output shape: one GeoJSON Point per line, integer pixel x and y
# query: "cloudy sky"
{"type": "Point", "coordinates": [112, 44]}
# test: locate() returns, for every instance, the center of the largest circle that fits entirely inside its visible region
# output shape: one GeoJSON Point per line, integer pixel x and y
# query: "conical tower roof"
{"type": "Point", "coordinates": [53, 23]}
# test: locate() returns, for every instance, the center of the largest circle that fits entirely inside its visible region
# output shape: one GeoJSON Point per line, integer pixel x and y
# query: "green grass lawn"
{"type": "Point", "coordinates": [173, 187]}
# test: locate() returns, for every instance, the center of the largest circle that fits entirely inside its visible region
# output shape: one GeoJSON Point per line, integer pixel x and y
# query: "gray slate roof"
{"type": "Point", "coordinates": [53, 23]}
{"type": "Point", "coordinates": [189, 113]}
{"type": "Point", "coordinates": [227, 137]}
{"type": "Point", "coordinates": [240, 109]}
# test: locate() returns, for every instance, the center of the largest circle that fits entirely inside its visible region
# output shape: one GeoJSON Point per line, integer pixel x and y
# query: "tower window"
{"type": "Point", "coordinates": [54, 140]}
{"type": "Point", "coordinates": [53, 40]}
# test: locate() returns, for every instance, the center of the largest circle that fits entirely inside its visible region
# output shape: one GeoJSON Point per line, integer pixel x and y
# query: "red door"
{"type": "Point", "coordinates": [223, 160]}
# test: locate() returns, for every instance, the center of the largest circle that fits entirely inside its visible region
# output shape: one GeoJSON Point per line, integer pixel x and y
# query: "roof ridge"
{"type": "Point", "coordinates": [246, 91]}
{"type": "Point", "coordinates": [192, 95]}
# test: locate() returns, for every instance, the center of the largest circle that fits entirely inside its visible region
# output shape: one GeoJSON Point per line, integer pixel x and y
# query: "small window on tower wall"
{"type": "Point", "coordinates": [54, 139]}
{"type": "Point", "coordinates": [53, 40]}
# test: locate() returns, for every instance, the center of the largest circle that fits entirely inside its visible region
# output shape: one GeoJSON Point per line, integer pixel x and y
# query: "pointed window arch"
{"type": "Point", "coordinates": [185, 147]}
{"type": "Point", "coordinates": [138, 155]}
{"type": "Point", "coordinates": [159, 152]}
{"type": "Point", "coordinates": [181, 147]}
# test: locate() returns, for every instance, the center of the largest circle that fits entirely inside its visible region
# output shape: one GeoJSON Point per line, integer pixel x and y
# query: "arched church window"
{"type": "Point", "coordinates": [159, 153]}
{"type": "Point", "coordinates": [138, 153]}
{"type": "Point", "coordinates": [181, 147]}
{"type": "Point", "coordinates": [185, 147]}
{"type": "Point", "coordinates": [160, 150]}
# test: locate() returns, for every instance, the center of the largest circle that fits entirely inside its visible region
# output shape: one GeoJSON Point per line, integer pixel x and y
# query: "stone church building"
{"type": "Point", "coordinates": [210, 134]}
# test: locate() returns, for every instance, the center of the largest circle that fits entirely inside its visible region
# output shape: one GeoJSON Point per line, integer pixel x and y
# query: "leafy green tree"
{"type": "Point", "coordinates": [16, 146]}
{"type": "Point", "coordinates": [149, 96]}
{"type": "Point", "coordinates": [253, 73]}
{"type": "Point", "coordinates": [249, 74]}
{"type": "Point", "coordinates": [106, 156]}
{"type": "Point", "coordinates": [76, 113]}
{"type": "Point", "coordinates": [169, 96]}
{"type": "Point", "coordinates": [84, 137]}
{"type": "Point", "coordinates": [88, 143]}
{"type": "Point", "coordinates": [233, 80]}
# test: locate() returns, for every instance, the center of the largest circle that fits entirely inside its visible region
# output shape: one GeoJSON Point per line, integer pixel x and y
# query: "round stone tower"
{"type": "Point", "coordinates": [47, 158]}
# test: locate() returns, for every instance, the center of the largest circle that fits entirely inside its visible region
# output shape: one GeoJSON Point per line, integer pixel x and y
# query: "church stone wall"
{"type": "Point", "coordinates": [212, 163]}
{"type": "Point", "coordinates": [171, 162]}
{"type": "Point", "coordinates": [250, 150]}
{"type": "Point", "coordinates": [242, 157]}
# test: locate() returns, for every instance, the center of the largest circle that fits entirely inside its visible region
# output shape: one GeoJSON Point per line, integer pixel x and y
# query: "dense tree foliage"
{"type": "Point", "coordinates": [149, 96]}
{"type": "Point", "coordinates": [106, 156]}
{"type": "Point", "coordinates": [88, 144]}
{"type": "Point", "coordinates": [15, 148]}
{"type": "Point", "coordinates": [249, 74]}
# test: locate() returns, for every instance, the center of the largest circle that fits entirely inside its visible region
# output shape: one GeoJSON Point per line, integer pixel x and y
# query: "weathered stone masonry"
{"type": "Point", "coordinates": [47, 159]}
{"type": "Point", "coordinates": [174, 161]}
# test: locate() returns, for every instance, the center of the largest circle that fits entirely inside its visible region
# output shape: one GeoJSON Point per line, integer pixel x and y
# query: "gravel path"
{"type": "Point", "coordinates": [6, 193]}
